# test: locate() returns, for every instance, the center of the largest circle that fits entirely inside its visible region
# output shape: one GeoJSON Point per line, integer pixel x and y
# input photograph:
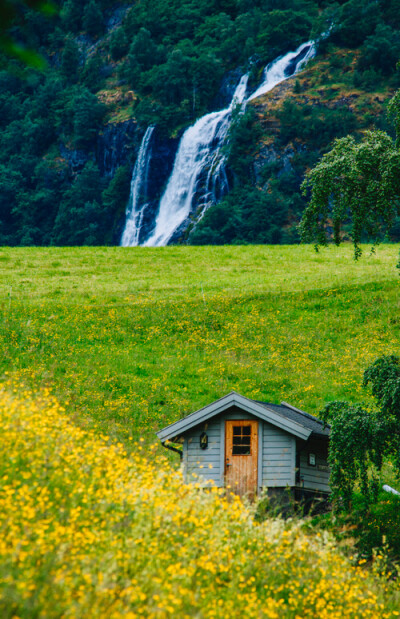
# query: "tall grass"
{"type": "Point", "coordinates": [88, 532]}
{"type": "Point", "coordinates": [131, 339]}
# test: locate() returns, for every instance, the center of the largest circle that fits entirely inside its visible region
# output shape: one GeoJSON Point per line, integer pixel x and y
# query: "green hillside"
{"type": "Point", "coordinates": [70, 133]}
{"type": "Point", "coordinates": [129, 340]}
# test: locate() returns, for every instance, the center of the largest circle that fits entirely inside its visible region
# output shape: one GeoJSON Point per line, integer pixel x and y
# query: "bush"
{"type": "Point", "coordinates": [380, 51]}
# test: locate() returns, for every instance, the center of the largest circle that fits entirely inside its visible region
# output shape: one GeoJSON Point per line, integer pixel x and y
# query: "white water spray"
{"type": "Point", "coordinates": [198, 149]}
{"type": "Point", "coordinates": [282, 68]}
{"type": "Point", "coordinates": [137, 198]}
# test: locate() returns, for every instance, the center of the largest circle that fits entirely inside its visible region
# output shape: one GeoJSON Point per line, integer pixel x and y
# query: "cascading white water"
{"type": "Point", "coordinates": [198, 149]}
{"type": "Point", "coordinates": [284, 67]}
{"type": "Point", "coordinates": [199, 153]}
{"type": "Point", "coordinates": [137, 198]}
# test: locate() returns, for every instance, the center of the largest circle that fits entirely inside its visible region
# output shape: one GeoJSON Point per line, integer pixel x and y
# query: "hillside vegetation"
{"type": "Point", "coordinates": [130, 340]}
{"type": "Point", "coordinates": [90, 532]}
{"type": "Point", "coordinates": [69, 135]}
{"type": "Point", "coordinates": [101, 348]}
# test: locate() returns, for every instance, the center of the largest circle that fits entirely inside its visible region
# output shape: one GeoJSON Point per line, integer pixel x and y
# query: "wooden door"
{"type": "Point", "coordinates": [241, 456]}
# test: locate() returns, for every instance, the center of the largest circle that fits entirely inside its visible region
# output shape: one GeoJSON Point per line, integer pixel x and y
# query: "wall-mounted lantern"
{"type": "Point", "coordinates": [203, 440]}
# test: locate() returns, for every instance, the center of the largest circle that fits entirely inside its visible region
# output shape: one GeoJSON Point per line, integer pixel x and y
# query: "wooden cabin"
{"type": "Point", "coordinates": [251, 446]}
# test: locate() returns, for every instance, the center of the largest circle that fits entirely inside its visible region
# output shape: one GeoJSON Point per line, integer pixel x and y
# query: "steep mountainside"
{"type": "Point", "coordinates": [70, 135]}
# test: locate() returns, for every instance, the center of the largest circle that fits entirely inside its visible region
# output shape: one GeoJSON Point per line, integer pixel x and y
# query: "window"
{"type": "Point", "coordinates": [312, 460]}
{"type": "Point", "coordinates": [241, 444]}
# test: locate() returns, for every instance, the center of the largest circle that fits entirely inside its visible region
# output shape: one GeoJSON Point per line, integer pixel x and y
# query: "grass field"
{"type": "Point", "coordinates": [94, 523]}
{"type": "Point", "coordinates": [131, 339]}
{"type": "Point", "coordinates": [87, 532]}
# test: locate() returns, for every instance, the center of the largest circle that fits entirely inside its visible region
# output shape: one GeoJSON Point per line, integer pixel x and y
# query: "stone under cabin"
{"type": "Point", "coordinates": [251, 447]}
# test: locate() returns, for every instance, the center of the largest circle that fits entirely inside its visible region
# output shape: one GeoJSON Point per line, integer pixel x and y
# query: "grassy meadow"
{"type": "Point", "coordinates": [102, 347]}
{"type": "Point", "coordinates": [131, 339]}
{"type": "Point", "coordinates": [88, 532]}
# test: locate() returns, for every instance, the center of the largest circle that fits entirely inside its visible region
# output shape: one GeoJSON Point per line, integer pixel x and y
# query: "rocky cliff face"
{"type": "Point", "coordinates": [117, 145]}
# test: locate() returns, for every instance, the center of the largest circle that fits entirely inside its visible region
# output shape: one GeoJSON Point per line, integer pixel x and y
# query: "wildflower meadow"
{"type": "Point", "coordinates": [87, 531]}
{"type": "Point", "coordinates": [104, 346]}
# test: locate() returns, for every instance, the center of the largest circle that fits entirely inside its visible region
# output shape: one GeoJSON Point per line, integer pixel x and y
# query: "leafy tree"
{"type": "Point", "coordinates": [92, 74]}
{"type": "Point", "coordinates": [246, 215]}
{"type": "Point", "coordinates": [70, 60]}
{"type": "Point", "coordinates": [115, 198]}
{"type": "Point", "coordinates": [356, 182]}
{"type": "Point", "coordinates": [71, 15]}
{"type": "Point", "coordinates": [357, 20]}
{"type": "Point", "coordinates": [283, 29]}
{"type": "Point", "coordinates": [361, 438]}
{"type": "Point", "coordinates": [118, 44]}
{"type": "Point", "coordinates": [243, 136]}
{"type": "Point", "coordinates": [93, 21]}
{"type": "Point", "coordinates": [143, 50]}
{"type": "Point", "coordinates": [88, 113]}
{"type": "Point", "coordinates": [315, 125]}
{"type": "Point", "coordinates": [380, 51]}
{"type": "Point", "coordinates": [79, 219]}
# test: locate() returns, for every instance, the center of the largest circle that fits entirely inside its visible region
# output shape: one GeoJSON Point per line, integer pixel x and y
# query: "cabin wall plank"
{"type": "Point", "coordinates": [276, 456]}
{"type": "Point", "coordinates": [279, 451]}
{"type": "Point", "coordinates": [315, 477]}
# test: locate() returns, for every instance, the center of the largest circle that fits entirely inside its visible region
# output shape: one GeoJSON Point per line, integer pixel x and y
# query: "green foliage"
{"type": "Point", "coordinates": [243, 137]}
{"type": "Point", "coordinates": [394, 115]}
{"type": "Point", "coordinates": [376, 526]}
{"type": "Point", "coordinates": [356, 181]}
{"type": "Point", "coordinates": [118, 44]}
{"type": "Point", "coordinates": [354, 446]}
{"type": "Point", "coordinates": [361, 438]}
{"type": "Point", "coordinates": [315, 125]}
{"type": "Point", "coordinates": [115, 198]}
{"type": "Point", "coordinates": [88, 113]}
{"type": "Point", "coordinates": [384, 377]}
{"type": "Point", "coordinates": [248, 215]}
{"type": "Point", "coordinates": [380, 51]}
{"type": "Point", "coordinates": [71, 15]}
{"type": "Point", "coordinates": [92, 75]}
{"type": "Point", "coordinates": [80, 216]}
{"type": "Point", "coordinates": [93, 21]}
{"type": "Point", "coordinates": [357, 20]}
{"type": "Point", "coordinates": [70, 60]}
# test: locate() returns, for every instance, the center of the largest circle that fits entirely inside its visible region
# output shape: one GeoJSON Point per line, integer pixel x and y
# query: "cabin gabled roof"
{"type": "Point", "coordinates": [284, 416]}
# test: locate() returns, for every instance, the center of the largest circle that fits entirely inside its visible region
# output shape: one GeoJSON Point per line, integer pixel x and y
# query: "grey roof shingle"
{"type": "Point", "coordinates": [314, 424]}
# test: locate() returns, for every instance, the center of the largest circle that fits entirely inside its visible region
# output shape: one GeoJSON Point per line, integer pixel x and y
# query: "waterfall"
{"type": "Point", "coordinates": [138, 194]}
{"type": "Point", "coordinates": [198, 150]}
{"type": "Point", "coordinates": [198, 178]}
{"type": "Point", "coordinates": [284, 67]}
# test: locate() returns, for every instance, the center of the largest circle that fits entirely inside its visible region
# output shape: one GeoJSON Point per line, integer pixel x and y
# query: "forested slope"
{"type": "Point", "coordinates": [69, 135]}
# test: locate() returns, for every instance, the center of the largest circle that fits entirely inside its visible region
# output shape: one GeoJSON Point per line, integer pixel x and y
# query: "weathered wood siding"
{"type": "Point", "coordinates": [277, 452]}
{"type": "Point", "coordinates": [196, 461]}
{"type": "Point", "coordinates": [279, 457]}
{"type": "Point", "coordinates": [315, 477]}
